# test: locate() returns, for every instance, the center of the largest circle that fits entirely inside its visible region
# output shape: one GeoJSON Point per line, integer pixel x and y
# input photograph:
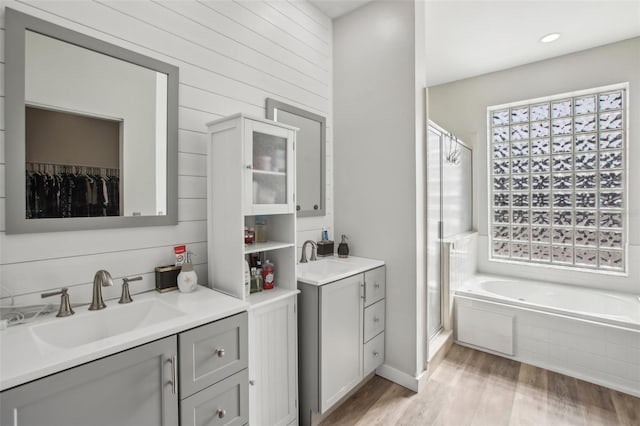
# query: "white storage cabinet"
{"type": "Point", "coordinates": [251, 172]}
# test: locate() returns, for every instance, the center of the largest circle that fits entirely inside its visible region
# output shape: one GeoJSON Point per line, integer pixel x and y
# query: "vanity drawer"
{"type": "Point", "coordinates": [375, 282]}
{"type": "Point", "coordinates": [373, 320]}
{"type": "Point", "coordinates": [225, 403]}
{"type": "Point", "coordinates": [212, 352]}
{"type": "Point", "coordinates": [373, 353]}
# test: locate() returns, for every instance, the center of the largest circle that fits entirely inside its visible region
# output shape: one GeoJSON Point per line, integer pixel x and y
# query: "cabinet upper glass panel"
{"type": "Point", "coordinates": [269, 180]}
{"type": "Point", "coordinates": [269, 169]}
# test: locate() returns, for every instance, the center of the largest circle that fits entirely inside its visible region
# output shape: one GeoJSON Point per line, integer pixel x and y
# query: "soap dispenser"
{"type": "Point", "coordinates": [187, 278]}
{"type": "Point", "coordinates": [343, 248]}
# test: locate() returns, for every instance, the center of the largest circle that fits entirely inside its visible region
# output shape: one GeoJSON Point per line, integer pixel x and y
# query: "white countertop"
{"type": "Point", "coordinates": [334, 268]}
{"type": "Point", "coordinates": [24, 357]}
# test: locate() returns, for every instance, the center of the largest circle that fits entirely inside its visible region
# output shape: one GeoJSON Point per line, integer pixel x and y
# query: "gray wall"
{"type": "Point", "coordinates": [232, 55]}
{"type": "Point", "coordinates": [379, 161]}
{"type": "Point", "coordinates": [461, 107]}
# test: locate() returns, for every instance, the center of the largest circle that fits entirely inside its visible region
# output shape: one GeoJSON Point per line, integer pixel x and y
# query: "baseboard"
{"type": "Point", "coordinates": [400, 377]}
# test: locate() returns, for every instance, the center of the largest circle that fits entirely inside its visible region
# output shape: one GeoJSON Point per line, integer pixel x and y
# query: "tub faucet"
{"type": "Point", "coordinates": [314, 247]}
{"type": "Point", "coordinates": [101, 279]}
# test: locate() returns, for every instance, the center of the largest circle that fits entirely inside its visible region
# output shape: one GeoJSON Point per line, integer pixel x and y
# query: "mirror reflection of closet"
{"type": "Point", "coordinates": [65, 151]}
{"type": "Point", "coordinates": [79, 108]}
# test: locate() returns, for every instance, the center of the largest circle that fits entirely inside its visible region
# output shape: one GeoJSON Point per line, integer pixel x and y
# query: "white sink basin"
{"type": "Point", "coordinates": [324, 267]}
{"type": "Point", "coordinates": [329, 269]}
{"type": "Point", "coordinates": [91, 326]}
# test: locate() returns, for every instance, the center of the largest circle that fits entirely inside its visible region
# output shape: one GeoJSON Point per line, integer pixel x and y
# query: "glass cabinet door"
{"type": "Point", "coordinates": [269, 152]}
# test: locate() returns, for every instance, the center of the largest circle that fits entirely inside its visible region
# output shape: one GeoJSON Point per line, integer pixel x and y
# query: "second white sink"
{"type": "Point", "coordinates": [87, 327]}
{"type": "Point", "coordinates": [329, 269]}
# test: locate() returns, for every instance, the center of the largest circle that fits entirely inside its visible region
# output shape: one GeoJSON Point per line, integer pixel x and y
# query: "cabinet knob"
{"type": "Point", "coordinates": [219, 352]}
{"type": "Point", "coordinates": [376, 319]}
{"type": "Point", "coordinates": [376, 286]}
{"type": "Point", "coordinates": [252, 382]}
{"type": "Point", "coordinates": [249, 166]}
{"type": "Point", "coordinates": [221, 412]}
{"type": "Point", "coordinates": [375, 354]}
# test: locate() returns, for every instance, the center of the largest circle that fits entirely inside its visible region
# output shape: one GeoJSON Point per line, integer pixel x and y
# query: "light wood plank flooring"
{"type": "Point", "coordinates": [471, 387]}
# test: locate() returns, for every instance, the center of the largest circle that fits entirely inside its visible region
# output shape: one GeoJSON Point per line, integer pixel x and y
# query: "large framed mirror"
{"type": "Point", "coordinates": [310, 155]}
{"type": "Point", "coordinates": [91, 132]}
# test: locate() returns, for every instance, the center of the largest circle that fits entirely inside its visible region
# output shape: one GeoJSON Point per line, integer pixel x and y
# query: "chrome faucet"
{"type": "Point", "coordinates": [101, 279]}
{"type": "Point", "coordinates": [314, 247]}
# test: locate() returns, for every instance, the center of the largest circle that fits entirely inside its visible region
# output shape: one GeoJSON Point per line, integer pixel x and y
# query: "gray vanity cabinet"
{"type": "Point", "coordinates": [135, 387]}
{"type": "Point", "coordinates": [341, 339]}
{"type": "Point", "coordinates": [203, 371]}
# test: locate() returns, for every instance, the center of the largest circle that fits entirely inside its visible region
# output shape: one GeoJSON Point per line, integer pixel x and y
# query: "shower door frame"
{"type": "Point", "coordinates": [442, 262]}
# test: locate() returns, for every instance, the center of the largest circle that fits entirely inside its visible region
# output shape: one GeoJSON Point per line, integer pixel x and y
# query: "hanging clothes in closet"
{"type": "Point", "coordinates": [58, 191]}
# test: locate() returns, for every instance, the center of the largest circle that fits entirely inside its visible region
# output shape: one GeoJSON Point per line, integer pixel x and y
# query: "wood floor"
{"type": "Point", "coordinates": [471, 387]}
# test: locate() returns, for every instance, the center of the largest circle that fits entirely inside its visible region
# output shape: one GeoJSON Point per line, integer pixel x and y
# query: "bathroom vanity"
{"type": "Point", "coordinates": [178, 370]}
{"type": "Point", "coordinates": [341, 329]}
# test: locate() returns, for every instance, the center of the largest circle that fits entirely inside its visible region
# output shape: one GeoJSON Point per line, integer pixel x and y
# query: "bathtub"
{"type": "Point", "coordinates": [588, 334]}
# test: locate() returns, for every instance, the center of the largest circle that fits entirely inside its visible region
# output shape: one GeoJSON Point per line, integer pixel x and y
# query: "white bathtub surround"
{"type": "Point", "coordinates": [588, 334]}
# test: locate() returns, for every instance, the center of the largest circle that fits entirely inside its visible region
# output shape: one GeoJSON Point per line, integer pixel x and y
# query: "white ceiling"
{"type": "Point", "coordinates": [473, 37]}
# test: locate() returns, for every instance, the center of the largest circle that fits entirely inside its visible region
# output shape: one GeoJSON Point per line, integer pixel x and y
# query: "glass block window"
{"type": "Point", "coordinates": [557, 178]}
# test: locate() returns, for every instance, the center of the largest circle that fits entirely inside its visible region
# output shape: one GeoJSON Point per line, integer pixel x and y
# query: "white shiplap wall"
{"type": "Point", "coordinates": [231, 55]}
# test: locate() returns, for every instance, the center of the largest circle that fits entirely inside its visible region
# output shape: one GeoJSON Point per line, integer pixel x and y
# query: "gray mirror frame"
{"type": "Point", "coordinates": [16, 23]}
{"type": "Point", "coordinates": [271, 106]}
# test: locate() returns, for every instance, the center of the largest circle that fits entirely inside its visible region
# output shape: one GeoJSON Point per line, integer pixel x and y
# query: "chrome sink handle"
{"type": "Point", "coordinates": [65, 306]}
{"type": "Point", "coordinates": [125, 297]}
{"type": "Point", "coordinates": [101, 279]}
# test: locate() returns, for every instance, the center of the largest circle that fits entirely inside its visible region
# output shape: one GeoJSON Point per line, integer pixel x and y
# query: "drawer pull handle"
{"type": "Point", "coordinates": [174, 374]}
{"type": "Point", "coordinates": [376, 319]}
{"type": "Point", "coordinates": [221, 412]}
{"type": "Point", "coordinates": [219, 352]}
{"type": "Point", "coordinates": [375, 354]}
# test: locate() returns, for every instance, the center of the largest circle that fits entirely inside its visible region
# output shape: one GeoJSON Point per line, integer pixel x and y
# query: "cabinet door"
{"type": "Point", "coordinates": [341, 305]}
{"type": "Point", "coordinates": [134, 388]}
{"type": "Point", "coordinates": [273, 359]}
{"type": "Point", "coordinates": [270, 178]}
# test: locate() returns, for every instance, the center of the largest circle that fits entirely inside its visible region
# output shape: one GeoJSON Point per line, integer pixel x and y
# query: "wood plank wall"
{"type": "Point", "coordinates": [232, 55]}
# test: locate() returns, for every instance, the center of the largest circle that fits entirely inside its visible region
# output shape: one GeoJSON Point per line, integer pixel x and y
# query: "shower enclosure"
{"type": "Point", "coordinates": [449, 209]}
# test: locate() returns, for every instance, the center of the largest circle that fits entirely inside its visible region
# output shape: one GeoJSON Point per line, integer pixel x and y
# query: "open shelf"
{"type": "Point", "coordinates": [269, 245]}
{"type": "Point", "coordinates": [268, 173]}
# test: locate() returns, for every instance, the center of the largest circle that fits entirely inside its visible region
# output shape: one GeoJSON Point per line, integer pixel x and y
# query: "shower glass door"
{"type": "Point", "coordinates": [449, 211]}
{"type": "Point", "coordinates": [434, 229]}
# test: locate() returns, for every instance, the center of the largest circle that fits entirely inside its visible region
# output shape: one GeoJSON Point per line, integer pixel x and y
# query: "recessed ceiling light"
{"type": "Point", "coordinates": [550, 37]}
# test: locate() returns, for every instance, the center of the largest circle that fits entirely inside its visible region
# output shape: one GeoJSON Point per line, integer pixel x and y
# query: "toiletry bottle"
{"type": "Point", "coordinates": [247, 279]}
{"type": "Point", "coordinates": [256, 280]}
{"type": "Point", "coordinates": [187, 278]}
{"type": "Point", "coordinates": [261, 229]}
{"type": "Point", "coordinates": [343, 248]}
{"type": "Point", "coordinates": [268, 275]}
